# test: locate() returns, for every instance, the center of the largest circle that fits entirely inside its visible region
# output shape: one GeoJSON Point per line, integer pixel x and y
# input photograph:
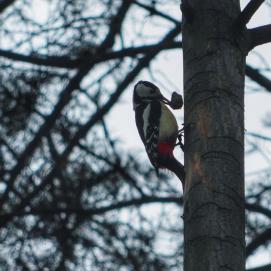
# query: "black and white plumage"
{"type": "Point", "coordinates": [156, 125]}
{"type": "Point", "coordinates": [151, 130]}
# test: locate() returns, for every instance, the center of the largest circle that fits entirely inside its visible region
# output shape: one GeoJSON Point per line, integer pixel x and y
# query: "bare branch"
{"type": "Point", "coordinates": [133, 51]}
{"type": "Point", "coordinates": [144, 62]}
{"type": "Point", "coordinates": [261, 239]}
{"type": "Point", "coordinates": [54, 61]}
{"type": "Point", "coordinates": [116, 166]}
{"type": "Point", "coordinates": [255, 75]}
{"type": "Point", "coordinates": [258, 209]}
{"type": "Point", "coordinates": [95, 211]}
{"type": "Point", "coordinates": [10, 149]}
{"type": "Point", "coordinates": [258, 136]}
{"type": "Point", "coordinates": [247, 13]}
{"type": "Point", "coordinates": [259, 35]}
{"type": "Point", "coordinates": [153, 10]}
{"type": "Point", "coordinates": [68, 63]}
{"type": "Point", "coordinates": [64, 99]}
{"type": "Point", "coordinates": [5, 4]}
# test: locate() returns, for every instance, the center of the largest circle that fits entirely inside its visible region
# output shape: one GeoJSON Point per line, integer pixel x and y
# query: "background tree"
{"type": "Point", "coordinates": [73, 197]}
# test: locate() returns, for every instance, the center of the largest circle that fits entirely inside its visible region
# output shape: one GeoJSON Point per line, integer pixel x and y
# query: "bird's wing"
{"type": "Point", "coordinates": [151, 131]}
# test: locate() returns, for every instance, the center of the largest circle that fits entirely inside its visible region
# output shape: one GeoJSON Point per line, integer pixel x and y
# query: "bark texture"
{"type": "Point", "coordinates": [214, 69]}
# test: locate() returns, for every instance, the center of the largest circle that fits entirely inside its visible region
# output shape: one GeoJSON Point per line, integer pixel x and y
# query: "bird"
{"type": "Point", "coordinates": [157, 127]}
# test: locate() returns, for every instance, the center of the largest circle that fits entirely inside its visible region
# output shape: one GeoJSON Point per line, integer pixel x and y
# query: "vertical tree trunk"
{"type": "Point", "coordinates": [214, 137]}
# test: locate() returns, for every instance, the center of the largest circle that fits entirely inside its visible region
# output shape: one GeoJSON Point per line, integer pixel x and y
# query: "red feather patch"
{"type": "Point", "coordinates": [166, 148]}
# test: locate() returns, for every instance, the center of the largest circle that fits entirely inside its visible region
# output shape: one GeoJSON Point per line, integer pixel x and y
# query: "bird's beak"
{"type": "Point", "coordinates": [164, 99]}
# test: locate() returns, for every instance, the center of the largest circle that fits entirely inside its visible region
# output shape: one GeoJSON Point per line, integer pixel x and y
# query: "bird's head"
{"type": "Point", "coordinates": [146, 92]}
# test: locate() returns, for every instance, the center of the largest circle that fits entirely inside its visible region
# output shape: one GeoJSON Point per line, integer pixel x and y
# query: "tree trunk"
{"type": "Point", "coordinates": [214, 68]}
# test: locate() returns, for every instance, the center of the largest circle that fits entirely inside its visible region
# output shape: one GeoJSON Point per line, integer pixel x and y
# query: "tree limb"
{"type": "Point", "coordinates": [68, 63]}
{"type": "Point", "coordinates": [64, 99]}
{"type": "Point", "coordinates": [258, 209]}
{"type": "Point", "coordinates": [5, 4]}
{"type": "Point", "coordinates": [10, 149]}
{"type": "Point", "coordinates": [247, 13]}
{"type": "Point", "coordinates": [259, 35]}
{"type": "Point", "coordinates": [254, 74]}
{"type": "Point", "coordinates": [117, 166]}
{"type": "Point", "coordinates": [44, 60]}
{"type": "Point", "coordinates": [153, 10]}
{"type": "Point", "coordinates": [258, 241]}
{"type": "Point", "coordinates": [144, 62]}
{"type": "Point", "coordinates": [94, 211]}
{"type": "Point", "coordinates": [267, 138]}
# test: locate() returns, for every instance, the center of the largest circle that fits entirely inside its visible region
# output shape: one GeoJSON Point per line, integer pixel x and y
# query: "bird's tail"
{"type": "Point", "coordinates": [172, 164]}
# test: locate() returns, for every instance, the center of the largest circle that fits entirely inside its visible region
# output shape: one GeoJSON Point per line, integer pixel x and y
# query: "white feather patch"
{"type": "Point", "coordinates": [146, 114]}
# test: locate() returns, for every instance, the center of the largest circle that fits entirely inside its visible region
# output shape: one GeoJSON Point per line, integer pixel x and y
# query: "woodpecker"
{"type": "Point", "coordinates": [157, 127]}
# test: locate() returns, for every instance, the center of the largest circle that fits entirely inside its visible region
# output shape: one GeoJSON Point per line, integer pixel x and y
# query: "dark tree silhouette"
{"type": "Point", "coordinates": [72, 196]}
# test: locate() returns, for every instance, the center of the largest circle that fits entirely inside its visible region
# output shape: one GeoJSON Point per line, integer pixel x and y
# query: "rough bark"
{"type": "Point", "coordinates": [214, 69]}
